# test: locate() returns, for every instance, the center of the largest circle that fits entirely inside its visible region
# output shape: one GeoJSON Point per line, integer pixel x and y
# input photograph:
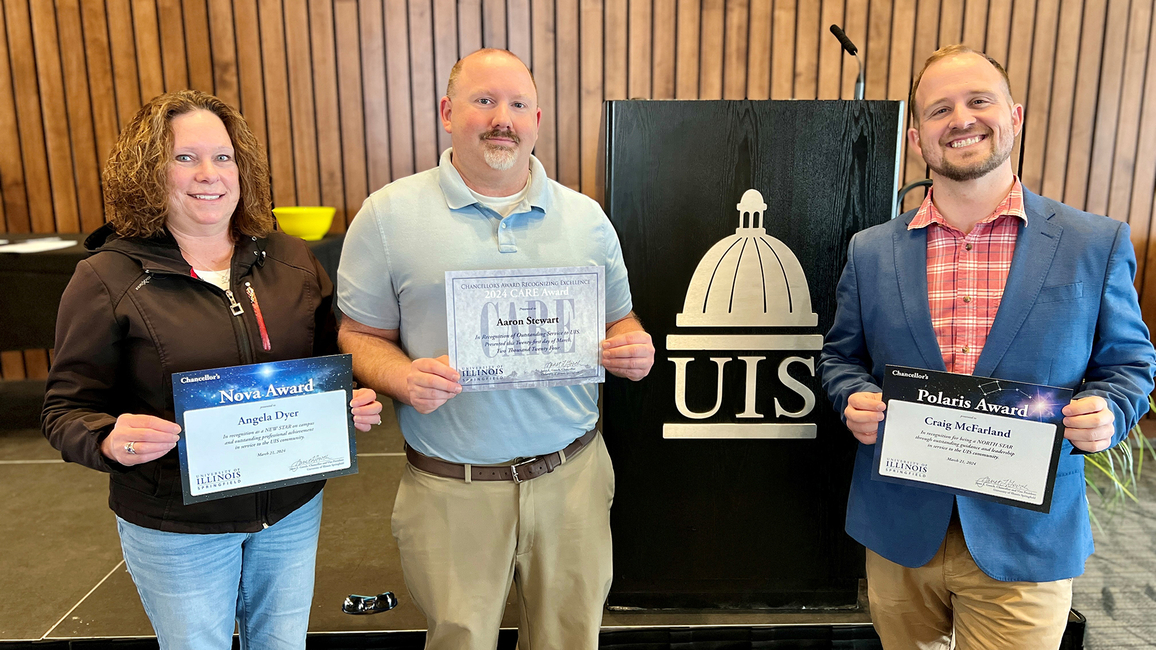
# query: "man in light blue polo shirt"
{"type": "Point", "coordinates": [465, 527]}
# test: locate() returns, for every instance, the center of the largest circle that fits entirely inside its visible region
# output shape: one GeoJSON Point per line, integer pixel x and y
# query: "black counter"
{"type": "Point", "coordinates": [31, 285]}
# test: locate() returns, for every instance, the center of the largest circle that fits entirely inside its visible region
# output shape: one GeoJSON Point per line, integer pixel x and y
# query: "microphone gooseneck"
{"type": "Point", "coordinates": [849, 47]}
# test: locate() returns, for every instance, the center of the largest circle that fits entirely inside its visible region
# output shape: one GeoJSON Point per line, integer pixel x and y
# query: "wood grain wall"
{"type": "Point", "coordinates": [344, 92]}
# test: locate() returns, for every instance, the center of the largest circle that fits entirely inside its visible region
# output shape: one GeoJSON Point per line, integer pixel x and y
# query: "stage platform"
{"type": "Point", "coordinates": [64, 584]}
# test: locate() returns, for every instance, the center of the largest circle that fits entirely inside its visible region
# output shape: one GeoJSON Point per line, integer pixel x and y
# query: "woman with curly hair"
{"type": "Point", "coordinates": [173, 285]}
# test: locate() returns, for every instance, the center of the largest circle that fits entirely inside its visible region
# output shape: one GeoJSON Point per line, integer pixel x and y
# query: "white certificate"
{"type": "Point", "coordinates": [526, 328]}
{"type": "Point", "coordinates": [977, 436]}
{"type": "Point", "coordinates": [262, 426]}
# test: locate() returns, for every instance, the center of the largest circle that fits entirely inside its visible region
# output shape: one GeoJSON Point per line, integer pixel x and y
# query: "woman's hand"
{"type": "Point", "coordinates": [137, 439]}
{"type": "Point", "coordinates": [365, 408]}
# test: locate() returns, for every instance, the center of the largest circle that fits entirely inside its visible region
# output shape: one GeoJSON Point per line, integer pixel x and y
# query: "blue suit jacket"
{"type": "Point", "coordinates": [1069, 317]}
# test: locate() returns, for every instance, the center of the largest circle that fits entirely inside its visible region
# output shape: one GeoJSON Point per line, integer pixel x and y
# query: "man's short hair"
{"type": "Point", "coordinates": [946, 52]}
{"type": "Point", "coordinates": [457, 69]}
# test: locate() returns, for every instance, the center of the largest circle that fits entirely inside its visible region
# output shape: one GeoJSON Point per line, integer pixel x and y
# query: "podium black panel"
{"type": "Point", "coordinates": [737, 499]}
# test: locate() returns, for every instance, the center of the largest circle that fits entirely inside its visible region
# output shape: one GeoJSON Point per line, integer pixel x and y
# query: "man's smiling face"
{"type": "Point", "coordinates": [967, 122]}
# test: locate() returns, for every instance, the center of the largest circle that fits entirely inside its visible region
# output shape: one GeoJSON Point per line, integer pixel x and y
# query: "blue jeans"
{"type": "Point", "coordinates": [194, 587]}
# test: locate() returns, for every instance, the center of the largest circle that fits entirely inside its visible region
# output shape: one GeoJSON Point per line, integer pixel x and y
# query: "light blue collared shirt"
{"type": "Point", "coordinates": [392, 276]}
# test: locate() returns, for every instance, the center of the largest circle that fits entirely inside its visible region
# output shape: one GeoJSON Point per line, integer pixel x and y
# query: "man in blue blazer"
{"type": "Point", "coordinates": [986, 278]}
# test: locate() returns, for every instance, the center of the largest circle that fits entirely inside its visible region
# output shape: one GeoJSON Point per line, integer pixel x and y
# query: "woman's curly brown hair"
{"type": "Point", "coordinates": [136, 176]}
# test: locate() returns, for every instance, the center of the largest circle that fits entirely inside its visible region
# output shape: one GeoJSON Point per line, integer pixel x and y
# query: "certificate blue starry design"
{"type": "Point", "coordinates": [262, 426]}
{"type": "Point", "coordinates": [982, 437]}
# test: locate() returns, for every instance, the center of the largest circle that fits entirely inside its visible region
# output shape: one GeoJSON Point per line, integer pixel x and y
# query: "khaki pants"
{"type": "Point", "coordinates": [922, 608]}
{"type": "Point", "coordinates": [462, 544]}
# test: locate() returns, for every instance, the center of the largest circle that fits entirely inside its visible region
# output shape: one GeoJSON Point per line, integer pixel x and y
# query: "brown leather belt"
{"type": "Point", "coordinates": [518, 472]}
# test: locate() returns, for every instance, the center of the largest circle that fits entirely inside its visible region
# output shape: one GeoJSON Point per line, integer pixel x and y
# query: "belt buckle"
{"type": "Point", "coordinates": [514, 469]}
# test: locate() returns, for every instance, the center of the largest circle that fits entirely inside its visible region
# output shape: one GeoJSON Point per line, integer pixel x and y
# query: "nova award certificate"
{"type": "Point", "coordinates": [264, 426]}
{"type": "Point", "coordinates": [981, 437]}
{"type": "Point", "coordinates": [526, 328]}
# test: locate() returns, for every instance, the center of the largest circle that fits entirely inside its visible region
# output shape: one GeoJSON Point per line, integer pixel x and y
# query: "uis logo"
{"type": "Point", "coordinates": [749, 280]}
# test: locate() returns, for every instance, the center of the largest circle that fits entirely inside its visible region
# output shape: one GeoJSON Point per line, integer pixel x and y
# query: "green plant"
{"type": "Point", "coordinates": [1113, 473]}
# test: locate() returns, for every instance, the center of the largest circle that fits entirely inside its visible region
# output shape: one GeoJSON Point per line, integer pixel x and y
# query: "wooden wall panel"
{"type": "Point", "coordinates": [543, 63]}
{"type": "Point", "coordinates": [1063, 97]}
{"type": "Point", "coordinates": [174, 59]}
{"type": "Point", "coordinates": [590, 19]}
{"type": "Point", "coordinates": [274, 71]}
{"type": "Point", "coordinates": [665, 48]}
{"type": "Point", "coordinates": [809, 32]}
{"type": "Point", "coordinates": [878, 49]}
{"type": "Point", "coordinates": [445, 20]}
{"type": "Point", "coordinates": [328, 111]}
{"type": "Point", "coordinates": [855, 24]}
{"type": "Point", "coordinates": [735, 40]}
{"type": "Point", "coordinates": [640, 49]}
{"type": "Point", "coordinates": [397, 72]}
{"type": "Point", "coordinates": [1108, 108]}
{"type": "Point", "coordinates": [1084, 105]}
{"type": "Point", "coordinates": [519, 34]}
{"type": "Point", "coordinates": [85, 164]}
{"type": "Point", "coordinates": [354, 142]}
{"type": "Point", "coordinates": [344, 93]}
{"type": "Point", "coordinates": [615, 74]}
{"type": "Point", "coordinates": [98, 65]}
{"type": "Point", "coordinates": [28, 117]}
{"type": "Point", "coordinates": [759, 64]}
{"type": "Point", "coordinates": [199, 51]}
{"type": "Point", "coordinates": [1039, 95]}
{"type": "Point", "coordinates": [569, 96]}
{"type": "Point", "coordinates": [372, 29]}
{"type": "Point", "coordinates": [425, 96]}
{"type": "Point", "coordinates": [149, 63]}
{"type": "Point", "coordinates": [469, 25]}
{"type": "Point", "coordinates": [302, 116]}
{"type": "Point", "coordinates": [126, 80]}
{"type": "Point", "coordinates": [50, 78]}
{"type": "Point", "coordinates": [686, 71]}
{"type": "Point", "coordinates": [710, 59]}
{"type": "Point", "coordinates": [12, 186]}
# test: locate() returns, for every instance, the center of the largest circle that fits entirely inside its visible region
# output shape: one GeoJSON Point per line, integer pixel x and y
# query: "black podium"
{"type": "Point", "coordinates": [732, 468]}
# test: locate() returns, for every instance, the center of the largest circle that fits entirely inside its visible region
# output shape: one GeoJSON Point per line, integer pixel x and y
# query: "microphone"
{"type": "Point", "coordinates": [843, 40]}
{"type": "Point", "coordinates": [849, 47]}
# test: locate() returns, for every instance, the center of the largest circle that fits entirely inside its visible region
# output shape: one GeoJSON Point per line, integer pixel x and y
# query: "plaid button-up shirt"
{"type": "Point", "coordinates": [966, 275]}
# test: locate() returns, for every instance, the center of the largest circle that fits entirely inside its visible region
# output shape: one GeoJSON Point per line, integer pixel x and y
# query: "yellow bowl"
{"type": "Point", "coordinates": [307, 222]}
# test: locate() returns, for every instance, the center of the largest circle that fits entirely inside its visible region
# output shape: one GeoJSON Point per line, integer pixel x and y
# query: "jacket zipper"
{"type": "Point", "coordinates": [247, 357]}
{"type": "Point", "coordinates": [243, 342]}
{"type": "Point", "coordinates": [260, 319]}
{"type": "Point", "coordinates": [242, 333]}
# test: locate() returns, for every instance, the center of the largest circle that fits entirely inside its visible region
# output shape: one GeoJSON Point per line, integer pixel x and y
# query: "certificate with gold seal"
{"type": "Point", "coordinates": [988, 438]}
{"type": "Point", "coordinates": [526, 328]}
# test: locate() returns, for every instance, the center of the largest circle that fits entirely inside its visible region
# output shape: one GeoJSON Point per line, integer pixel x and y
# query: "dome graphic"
{"type": "Point", "coordinates": [748, 279]}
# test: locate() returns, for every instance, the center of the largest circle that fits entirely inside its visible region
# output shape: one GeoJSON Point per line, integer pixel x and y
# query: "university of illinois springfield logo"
{"type": "Point", "coordinates": [748, 280]}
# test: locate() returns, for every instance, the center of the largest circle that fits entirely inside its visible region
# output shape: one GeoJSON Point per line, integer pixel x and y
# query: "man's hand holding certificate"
{"type": "Point", "coordinates": [989, 438]}
{"type": "Point", "coordinates": [526, 328]}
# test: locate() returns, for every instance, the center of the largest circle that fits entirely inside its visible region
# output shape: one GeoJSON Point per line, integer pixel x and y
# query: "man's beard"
{"type": "Point", "coordinates": [977, 169]}
{"type": "Point", "coordinates": [498, 157]}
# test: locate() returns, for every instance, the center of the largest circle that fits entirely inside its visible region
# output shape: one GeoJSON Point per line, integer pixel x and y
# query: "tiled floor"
{"type": "Point", "coordinates": [1117, 592]}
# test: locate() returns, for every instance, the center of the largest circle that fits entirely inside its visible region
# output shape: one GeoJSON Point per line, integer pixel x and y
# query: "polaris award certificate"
{"type": "Point", "coordinates": [988, 438]}
{"type": "Point", "coordinates": [264, 426]}
{"type": "Point", "coordinates": [526, 328]}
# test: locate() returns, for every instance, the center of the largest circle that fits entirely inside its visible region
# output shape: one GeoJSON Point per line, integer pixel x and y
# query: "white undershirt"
{"type": "Point", "coordinates": [218, 278]}
{"type": "Point", "coordinates": [503, 205]}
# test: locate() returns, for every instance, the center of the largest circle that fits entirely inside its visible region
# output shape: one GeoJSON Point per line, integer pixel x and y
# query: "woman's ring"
{"type": "Point", "coordinates": [128, 448]}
